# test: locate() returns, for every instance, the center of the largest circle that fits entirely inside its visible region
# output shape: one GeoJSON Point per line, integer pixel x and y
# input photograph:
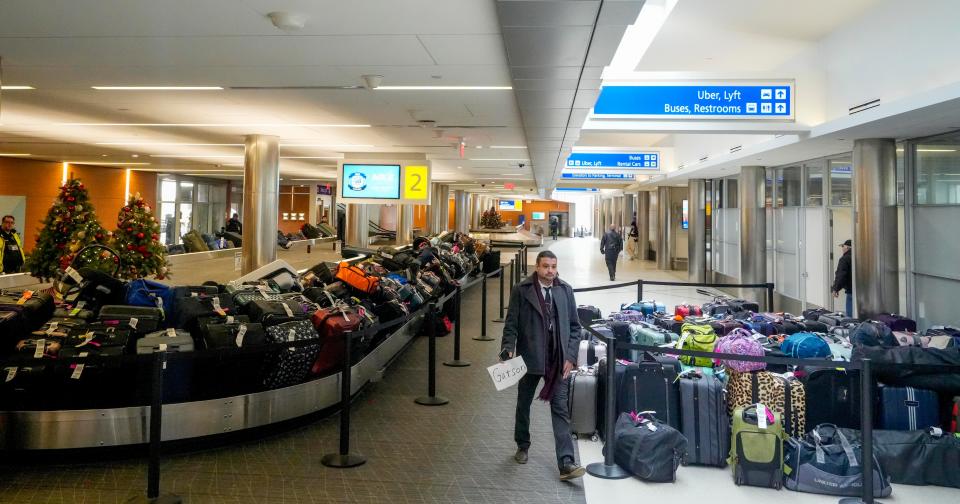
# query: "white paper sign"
{"type": "Point", "coordinates": [507, 373]}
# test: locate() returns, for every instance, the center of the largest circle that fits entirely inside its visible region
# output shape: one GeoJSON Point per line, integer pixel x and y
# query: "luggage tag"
{"type": "Point", "coordinates": [87, 339]}
{"type": "Point", "coordinates": [291, 336]}
{"type": "Point", "coordinates": [240, 334]}
{"type": "Point", "coordinates": [26, 296]}
{"type": "Point", "coordinates": [171, 333]}
{"type": "Point", "coordinates": [133, 322]}
{"type": "Point", "coordinates": [74, 274]}
{"type": "Point", "coordinates": [38, 353]}
{"type": "Point", "coordinates": [287, 309]}
{"type": "Point", "coordinates": [77, 371]}
{"type": "Point", "coordinates": [159, 303]}
{"type": "Point", "coordinates": [11, 373]}
{"type": "Point", "coordinates": [52, 328]}
{"type": "Point", "coordinates": [217, 308]}
{"type": "Point", "coordinates": [230, 319]}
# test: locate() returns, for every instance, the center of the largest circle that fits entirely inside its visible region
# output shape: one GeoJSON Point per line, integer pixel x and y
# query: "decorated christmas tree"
{"type": "Point", "coordinates": [70, 225]}
{"type": "Point", "coordinates": [491, 219]}
{"type": "Point", "coordinates": [137, 240]}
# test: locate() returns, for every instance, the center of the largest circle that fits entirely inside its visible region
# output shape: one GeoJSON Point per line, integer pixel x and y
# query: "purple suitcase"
{"type": "Point", "coordinates": [897, 322]}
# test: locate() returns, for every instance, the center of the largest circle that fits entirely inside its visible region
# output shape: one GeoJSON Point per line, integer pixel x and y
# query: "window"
{"type": "Point", "coordinates": [731, 198]}
{"type": "Point", "coordinates": [788, 186]}
{"type": "Point", "coordinates": [814, 183]}
{"type": "Point", "coordinates": [938, 172]}
{"type": "Point", "coordinates": [841, 182]}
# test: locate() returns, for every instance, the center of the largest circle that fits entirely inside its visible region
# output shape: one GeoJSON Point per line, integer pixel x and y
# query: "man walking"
{"type": "Point", "coordinates": [11, 255]}
{"type": "Point", "coordinates": [542, 326]}
{"type": "Point", "coordinates": [610, 246]}
{"type": "Point", "coordinates": [844, 276]}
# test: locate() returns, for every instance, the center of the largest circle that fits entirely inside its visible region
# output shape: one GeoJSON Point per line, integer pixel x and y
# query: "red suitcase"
{"type": "Point", "coordinates": [332, 323]}
{"type": "Point", "coordinates": [685, 310]}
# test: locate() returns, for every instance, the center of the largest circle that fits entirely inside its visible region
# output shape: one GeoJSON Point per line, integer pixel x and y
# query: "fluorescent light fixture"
{"type": "Point", "coordinates": [104, 163]}
{"type": "Point", "coordinates": [514, 174]}
{"type": "Point", "coordinates": [16, 88]}
{"type": "Point", "coordinates": [65, 173]}
{"type": "Point", "coordinates": [199, 156]}
{"type": "Point", "coordinates": [170, 144]}
{"type": "Point", "coordinates": [638, 36]}
{"type": "Point", "coordinates": [126, 186]}
{"type": "Point", "coordinates": [324, 145]}
{"type": "Point", "coordinates": [443, 88]}
{"type": "Point", "coordinates": [508, 146]}
{"type": "Point", "coordinates": [216, 125]}
{"type": "Point", "coordinates": [936, 150]}
{"type": "Point", "coordinates": [157, 88]}
{"type": "Point", "coordinates": [499, 159]}
{"type": "Point", "coordinates": [14, 154]}
{"type": "Point", "coordinates": [311, 157]}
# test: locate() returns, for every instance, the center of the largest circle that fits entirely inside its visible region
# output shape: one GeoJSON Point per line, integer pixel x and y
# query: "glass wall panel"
{"type": "Point", "coordinates": [814, 192]}
{"type": "Point", "coordinates": [788, 186]}
{"type": "Point", "coordinates": [938, 173]}
{"type": "Point", "coordinates": [787, 278]}
{"type": "Point", "coordinates": [841, 181]}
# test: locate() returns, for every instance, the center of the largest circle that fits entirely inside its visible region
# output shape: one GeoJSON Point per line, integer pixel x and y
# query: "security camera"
{"type": "Point", "coordinates": [371, 81]}
{"type": "Point", "coordinates": [483, 185]}
{"type": "Point", "coordinates": [521, 165]}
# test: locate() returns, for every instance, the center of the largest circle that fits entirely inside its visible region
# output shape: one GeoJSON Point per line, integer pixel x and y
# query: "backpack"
{"type": "Point", "coordinates": [697, 337]}
{"type": "Point", "coordinates": [741, 342]}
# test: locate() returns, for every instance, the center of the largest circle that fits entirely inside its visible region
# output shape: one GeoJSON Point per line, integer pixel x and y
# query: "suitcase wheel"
{"type": "Point", "coordinates": [594, 437]}
{"type": "Point", "coordinates": [777, 485]}
{"type": "Point", "coordinates": [738, 476]}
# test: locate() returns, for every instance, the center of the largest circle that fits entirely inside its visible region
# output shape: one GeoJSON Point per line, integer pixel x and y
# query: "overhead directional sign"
{"type": "Point", "coordinates": [697, 100]}
{"type": "Point", "coordinates": [598, 176]}
{"type": "Point", "coordinates": [633, 161]}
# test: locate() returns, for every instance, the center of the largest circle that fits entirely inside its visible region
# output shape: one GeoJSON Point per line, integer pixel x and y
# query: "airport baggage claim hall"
{"type": "Point", "coordinates": [504, 251]}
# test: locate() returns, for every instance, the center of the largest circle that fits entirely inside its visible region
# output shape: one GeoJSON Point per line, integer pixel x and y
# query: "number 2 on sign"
{"type": "Point", "coordinates": [416, 181]}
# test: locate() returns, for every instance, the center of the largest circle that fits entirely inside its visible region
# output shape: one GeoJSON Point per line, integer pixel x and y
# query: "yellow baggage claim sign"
{"type": "Point", "coordinates": [384, 182]}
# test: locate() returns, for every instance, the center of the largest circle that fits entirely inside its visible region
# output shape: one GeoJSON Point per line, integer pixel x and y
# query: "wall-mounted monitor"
{"type": "Point", "coordinates": [538, 216]}
{"type": "Point", "coordinates": [370, 181]}
{"type": "Point", "coordinates": [685, 217]}
{"type": "Point", "coordinates": [511, 205]}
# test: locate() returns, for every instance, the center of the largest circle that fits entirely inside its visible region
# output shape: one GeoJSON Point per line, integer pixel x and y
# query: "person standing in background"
{"type": "Point", "coordinates": [11, 255]}
{"type": "Point", "coordinates": [844, 276]}
{"type": "Point", "coordinates": [234, 225]}
{"type": "Point", "coordinates": [633, 245]}
{"type": "Point", "coordinates": [610, 247]}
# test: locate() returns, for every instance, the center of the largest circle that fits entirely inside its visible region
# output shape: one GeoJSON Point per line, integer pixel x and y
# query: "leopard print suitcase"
{"type": "Point", "coordinates": [782, 395]}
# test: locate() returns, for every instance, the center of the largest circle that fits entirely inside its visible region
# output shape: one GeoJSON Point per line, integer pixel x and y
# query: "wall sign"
{"type": "Point", "coordinates": [416, 182]}
{"type": "Point", "coordinates": [771, 100]}
{"type": "Point", "coordinates": [510, 205]}
{"type": "Point", "coordinates": [633, 161]}
{"type": "Point", "coordinates": [598, 176]}
{"type": "Point", "coordinates": [384, 182]}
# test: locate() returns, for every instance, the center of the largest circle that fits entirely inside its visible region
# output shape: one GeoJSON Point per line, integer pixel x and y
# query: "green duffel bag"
{"type": "Point", "coordinates": [327, 230]}
{"type": "Point", "coordinates": [194, 242]}
{"type": "Point", "coordinates": [649, 334]}
{"type": "Point", "coordinates": [698, 337]}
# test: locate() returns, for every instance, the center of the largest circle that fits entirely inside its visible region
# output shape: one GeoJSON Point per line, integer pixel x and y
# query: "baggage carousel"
{"type": "Point", "coordinates": [508, 237]}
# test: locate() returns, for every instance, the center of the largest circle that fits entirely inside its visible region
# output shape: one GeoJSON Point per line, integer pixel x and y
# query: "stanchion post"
{"type": "Point", "coordinates": [866, 430]}
{"type": "Point", "coordinates": [483, 312]}
{"type": "Point", "coordinates": [512, 276]}
{"type": "Point", "coordinates": [156, 434]}
{"type": "Point", "coordinates": [770, 297]}
{"type": "Point", "coordinates": [608, 469]}
{"type": "Point", "coordinates": [431, 399]}
{"type": "Point", "coordinates": [457, 362]}
{"type": "Point", "coordinates": [344, 459]}
{"type": "Point", "coordinates": [639, 290]}
{"type": "Point", "coordinates": [502, 273]}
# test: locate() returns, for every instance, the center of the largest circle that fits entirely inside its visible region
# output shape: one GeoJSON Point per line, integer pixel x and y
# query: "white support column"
{"type": "Point", "coordinates": [261, 203]}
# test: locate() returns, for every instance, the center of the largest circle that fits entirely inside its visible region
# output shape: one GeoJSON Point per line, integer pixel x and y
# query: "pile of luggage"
{"type": "Point", "coordinates": [775, 425]}
{"type": "Point", "coordinates": [52, 341]}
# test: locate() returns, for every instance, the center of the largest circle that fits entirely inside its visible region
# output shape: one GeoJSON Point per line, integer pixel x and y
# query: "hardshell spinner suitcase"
{"type": "Point", "coordinates": [332, 324]}
{"type": "Point", "coordinates": [705, 421]}
{"type": "Point", "coordinates": [279, 271]}
{"type": "Point", "coordinates": [649, 386]}
{"type": "Point", "coordinates": [583, 402]}
{"type": "Point", "coordinates": [908, 408]}
{"type": "Point", "coordinates": [178, 376]}
{"type": "Point", "coordinates": [170, 340]}
{"type": "Point", "coordinates": [590, 352]}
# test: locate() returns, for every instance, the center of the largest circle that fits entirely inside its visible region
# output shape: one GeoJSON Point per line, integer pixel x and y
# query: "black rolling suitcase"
{"type": "Point", "coordinates": [834, 397]}
{"type": "Point", "coordinates": [491, 261]}
{"type": "Point", "coordinates": [588, 314]}
{"type": "Point", "coordinates": [34, 307]}
{"type": "Point", "coordinates": [138, 319]}
{"type": "Point", "coordinates": [649, 385]}
{"type": "Point", "coordinates": [705, 421]}
{"type": "Point", "coordinates": [290, 366]}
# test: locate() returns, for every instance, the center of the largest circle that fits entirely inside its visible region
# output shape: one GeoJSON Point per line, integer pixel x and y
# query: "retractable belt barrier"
{"type": "Point", "coordinates": [769, 287]}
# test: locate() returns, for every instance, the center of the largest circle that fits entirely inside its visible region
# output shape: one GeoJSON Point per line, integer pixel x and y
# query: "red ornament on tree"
{"type": "Point", "coordinates": [140, 235]}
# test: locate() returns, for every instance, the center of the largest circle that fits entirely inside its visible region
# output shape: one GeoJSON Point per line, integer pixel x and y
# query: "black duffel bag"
{"type": "Point", "coordinates": [648, 448]}
{"type": "Point", "coordinates": [917, 457]}
{"type": "Point", "coordinates": [827, 462]}
{"type": "Point", "coordinates": [891, 366]}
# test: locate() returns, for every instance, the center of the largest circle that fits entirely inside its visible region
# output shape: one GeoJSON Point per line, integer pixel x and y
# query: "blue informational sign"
{"type": "Point", "coordinates": [598, 176]}
{"type": "Point", "coordinates": [696, 101]}
{"type": "Point", "coordinates": [633, 161]}
{"type": "Point", "coordinates": [509, 205]}
{"type": "Point", "coordinates": [577, 189]}
{"type": "Point", "coordinates": [370, 181]}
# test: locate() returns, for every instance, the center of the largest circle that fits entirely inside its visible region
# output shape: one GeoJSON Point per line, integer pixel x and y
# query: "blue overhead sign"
{"type": "Point", "coordinates": [697, 100]}
{"type": "Point", "coordinates": [577, 189]}
{"type": "Point", "coordinates": [633, 161]}
{"type": "Point", "coordinates": [598, 176]}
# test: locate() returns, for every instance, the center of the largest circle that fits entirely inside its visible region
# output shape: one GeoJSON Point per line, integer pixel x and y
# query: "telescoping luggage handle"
{"type": "Point", "coordinates": [71, 279]}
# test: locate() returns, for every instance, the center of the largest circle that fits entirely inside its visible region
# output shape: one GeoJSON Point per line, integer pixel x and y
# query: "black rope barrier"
{"type": "Point", "coordinates": [431, 399]}
{"type": "Point", "coordinates": [457, 299]}
{"type": "Point", "coordinates": [343, 458]}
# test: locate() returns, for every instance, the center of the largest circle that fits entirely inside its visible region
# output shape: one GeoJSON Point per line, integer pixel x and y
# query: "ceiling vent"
{"type": "Point", "coordinates": [864, 106]}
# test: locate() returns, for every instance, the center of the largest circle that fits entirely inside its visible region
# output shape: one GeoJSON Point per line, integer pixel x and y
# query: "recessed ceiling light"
{"type": "Point", "coordinates": [444, 88]}
{"type": "Point", "coordinates": [169, 144]}
{"type": "Point", "coordinates": [325, 145]}
{"type": "Point", "coordinates": [311, 157]}
{"type": "Point", "coordinates": [14, 154]}
{"type": "Point", "coordinates": [134, 155]}
{"type": "Point", "coordinates": [498, 159]}
{"type": "Point", "coordinates": [157, 88]}
{"type": "Point", "coordinates": [459, 167]}
{"type": "Point", "coordinates": [218, 125]}
{"type": "Point", "coordinates": [16, 88]}
{"type": "Point", "coordinates": [204, 156]}
{"type": "Point", "coordinates": [508, 146]}
{"type": "Point", "coordinates": [103, 155]}
{"type": "Point", "coordinates": [478, 146]}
